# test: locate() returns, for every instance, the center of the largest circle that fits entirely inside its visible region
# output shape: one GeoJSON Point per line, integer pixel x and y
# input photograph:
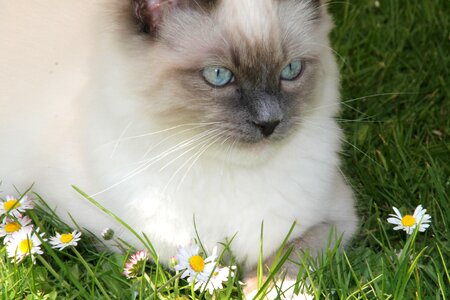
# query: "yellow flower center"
{"type": "Point", "coordinates": [197, 263]}
{"type": "Point", "coordinates": [12, 227]}
{"type": "Point", "coordinates": [25, 246]}
{"type": "Point", "coordinates": [66, 238]}
{"type": "Point", "coordinates": [8, 205]}
{"type": "Point", "coordinates": [408, 221]}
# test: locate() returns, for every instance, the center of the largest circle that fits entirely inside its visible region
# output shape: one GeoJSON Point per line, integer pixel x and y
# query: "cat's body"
{"type": "Point", "coordinates": [152, 142]}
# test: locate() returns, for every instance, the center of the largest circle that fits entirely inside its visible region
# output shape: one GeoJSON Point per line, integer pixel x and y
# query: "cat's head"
{"type": "Point", "coordinates": [248, 68]}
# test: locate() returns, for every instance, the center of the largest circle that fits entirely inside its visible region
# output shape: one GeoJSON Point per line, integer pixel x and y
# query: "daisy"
{"type": "Point", "coordinates": [398, 254]}
{"type": "Point", "coordinates": [193, 265]}
{"type": "Point", "coordinates": [24, 243]}
{"type": "Point", "coordinates": [15, 206]}
{"type": "Point", "coordinates": [61, 241]}
{"type": "Point", "coordinates": [12, 225]}
{"type": "Point", "coordinates": [173, 261]}
{"type": "Point", "coordinates": [135, 264]}
{"type": "Point", "coordinates": [216, 279]}
{"type": "Point", "coordinates": [409, 222]}
{"type": "Point", "coordinates": [107, 234]}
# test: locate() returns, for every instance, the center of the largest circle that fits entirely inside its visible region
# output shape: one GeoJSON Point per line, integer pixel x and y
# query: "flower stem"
{"type": "Point", "coordinates": [52, 271]}
{"type": "Point", "coordinates": [89, 270]}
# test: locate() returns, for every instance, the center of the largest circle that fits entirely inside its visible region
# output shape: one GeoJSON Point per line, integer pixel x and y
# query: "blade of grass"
{"type": "Point", "coordinates": [90, 272]}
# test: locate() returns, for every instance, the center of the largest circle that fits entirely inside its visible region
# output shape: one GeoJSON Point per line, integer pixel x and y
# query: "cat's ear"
{"type": "Point", "coordinates": [150, 13]}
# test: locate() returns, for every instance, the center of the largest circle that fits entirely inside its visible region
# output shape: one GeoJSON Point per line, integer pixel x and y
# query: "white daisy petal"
{"type": "Point", "coordinates": [136, 264]}
{"type": "Point", "coordinates": [216, 279]}
{"type": "Point", "coordinates": [409, 230]}
{"type": "Point", "coordinates": [394, 216]}
{"type": "Point", "coordinates": [23, 243]}
{"type": "Point", "coordinates": [419, 211]}
{"type": "Point", "coordinates": [11, 225]}
{"type": "Point", "coordinates": [426, 218]}
{"type": "Point", "coordinates": [397, 212]}
{"type": "Point", "coordinates": [107, 234]}
{"type": "Point", "coordinates": [15, 206]}
{"type": "Point", "coordinates": [408, 223]}
{"type": "Point", "coordinates": [61, 241]}
{"type": "Point", "coordinates": [394, 221]}
{"type": "Point", "coordinates": [203, 273]}
{"type": "Point", "coordinates": [422, 228]}
{"type": "Point", "coordinates": [213, 255]}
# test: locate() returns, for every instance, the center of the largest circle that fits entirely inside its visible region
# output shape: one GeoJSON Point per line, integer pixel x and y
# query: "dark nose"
{"type": "Point", "coordinates": [267, 128]}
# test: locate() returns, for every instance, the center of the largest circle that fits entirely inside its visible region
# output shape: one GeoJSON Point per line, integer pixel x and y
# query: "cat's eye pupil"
{"type": "Point", "coordinates": [217, 76]}
{"type": "Point", "coordinates": [292, 71]}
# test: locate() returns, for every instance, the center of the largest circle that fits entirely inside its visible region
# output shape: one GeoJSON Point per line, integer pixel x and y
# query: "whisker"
{"type": "Point", "coordinates": [359, 98]}
{"type": "Point", "coordinates": [356, 110]}
{"type": "Point", "coordinates": [228, 155]}
{"type": "Point", "coordinates": [328, 3]}
{"type": "Point", "coordinates": [167, 129]}
{"type": "Point", "coordinates": [341, 57]}
{"type": "Point", "coordinates": [182, 144]}
{"type": "Point", "coordinates": [120, 139]}
{"type": "Point", "coordinates": [151, 147]}
{"type": "Point", "coordinates": [364, 120]}
{"type": "Point", "coordinates": [187, 161]}
{"type": "Point", "coordinates": [190, 149]}
{"type": "Point", "coordinates": [362, 152]}
{"type": "Point", "coordinates": [306, 122]}
{"type": "Point", "coordinates": [379, 95]}
{"type": "Point", "coordinates": [146, 164]}
{"type": "Point", "coordinates": [232, 148]}
{"type": "Point", "coordinates": [347, 181]}
{"type": "Point", "coordinates": [347, 142]}
{"type": "Point", "coordinates": [196, 159]}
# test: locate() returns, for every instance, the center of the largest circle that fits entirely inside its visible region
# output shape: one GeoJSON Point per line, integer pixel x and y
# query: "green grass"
{"type": "Point", "coordinates": [395, 63]}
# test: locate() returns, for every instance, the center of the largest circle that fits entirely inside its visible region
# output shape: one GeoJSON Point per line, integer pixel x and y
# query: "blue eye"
{"type": "Point", "coordinates": [292, 70]}
{"type": "Point", "coordinates": [217, 76]}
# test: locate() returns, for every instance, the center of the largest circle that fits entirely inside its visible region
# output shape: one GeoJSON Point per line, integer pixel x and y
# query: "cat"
{"type": "Point", "coordinates": [218, 111]}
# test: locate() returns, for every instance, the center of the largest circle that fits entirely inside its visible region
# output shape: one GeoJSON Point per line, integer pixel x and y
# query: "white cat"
{"type": "Point", "coordinates": [166, 111]}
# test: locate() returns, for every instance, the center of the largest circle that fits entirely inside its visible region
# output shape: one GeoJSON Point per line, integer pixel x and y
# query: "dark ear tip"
{"type": "Point", "coordinates": [147, 14]}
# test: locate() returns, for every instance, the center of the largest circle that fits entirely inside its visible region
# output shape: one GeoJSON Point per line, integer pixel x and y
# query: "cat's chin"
{"type": "Point", "coordinates": [247, 154]}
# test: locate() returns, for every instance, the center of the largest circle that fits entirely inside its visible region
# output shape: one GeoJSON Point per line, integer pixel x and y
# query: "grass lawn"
{"type": "Point", "coordinates": [395, 58]}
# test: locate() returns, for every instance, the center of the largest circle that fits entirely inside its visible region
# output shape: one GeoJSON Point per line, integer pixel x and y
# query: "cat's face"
{"type": "Point", "coordinates": [247, 67]}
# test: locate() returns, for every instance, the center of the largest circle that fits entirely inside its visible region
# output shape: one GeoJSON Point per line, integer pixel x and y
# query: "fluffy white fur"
{"type": "Point", "coordinates": [99, 136]}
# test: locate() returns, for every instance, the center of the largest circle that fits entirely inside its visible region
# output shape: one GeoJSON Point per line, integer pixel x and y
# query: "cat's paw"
{"type": "Point", "coordinates": [283, 291]}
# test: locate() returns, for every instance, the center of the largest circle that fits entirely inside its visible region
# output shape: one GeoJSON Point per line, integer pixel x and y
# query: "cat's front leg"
{"type": "Point", "coordinates": [339, 228]}
{"type": "Point", "coordinates": [285, 280]}
{"type": "Point", "coordinates": [283, 290]}
{"type": "Point", "coordinates": [314, 241]}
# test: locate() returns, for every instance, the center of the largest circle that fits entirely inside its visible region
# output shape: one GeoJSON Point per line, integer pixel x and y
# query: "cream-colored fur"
{"type": "Point", "coordinates": [76, 108]}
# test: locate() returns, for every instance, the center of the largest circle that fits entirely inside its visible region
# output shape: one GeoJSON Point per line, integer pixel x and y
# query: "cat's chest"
{"type": "Point", "coordinates": [220, 206]}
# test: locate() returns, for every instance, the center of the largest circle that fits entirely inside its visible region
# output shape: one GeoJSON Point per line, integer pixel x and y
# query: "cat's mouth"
{"type": "Point", "coordinates": [247, 151]}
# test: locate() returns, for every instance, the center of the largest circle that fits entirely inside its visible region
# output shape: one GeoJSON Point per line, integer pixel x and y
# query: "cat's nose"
{"type": "Point", "coordinates": [267, 127]}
